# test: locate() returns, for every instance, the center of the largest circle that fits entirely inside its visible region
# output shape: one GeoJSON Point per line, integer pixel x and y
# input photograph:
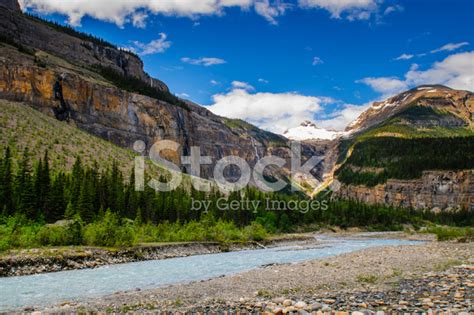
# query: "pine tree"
{"type": "Point", "coordinates": [86, 199]}
{"type": "Point", "coordinates": [56, 199]}
{"type": "Point", "coordinates": [6, 184]}
{"type": "Point", "coordinates": [25, 189]}
{"type": "Point", "coordinates": [75, 185]}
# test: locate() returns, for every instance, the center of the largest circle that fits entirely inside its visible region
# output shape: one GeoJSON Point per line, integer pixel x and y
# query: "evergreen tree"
{"type": "Point", "coordinates": [56, 199]}
{"type": "Point", "coordinates": [25, 189]}
{"type": "Point", "coordinates": [86, 199]}
{"type": "Point", "coordinates": [6, 184]}
{"type": "Point", "coordinates": [75, 186]}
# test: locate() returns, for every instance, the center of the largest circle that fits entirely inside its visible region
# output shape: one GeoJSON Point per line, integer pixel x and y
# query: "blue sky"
{"type": "Point", "coordinates": [312, 59]}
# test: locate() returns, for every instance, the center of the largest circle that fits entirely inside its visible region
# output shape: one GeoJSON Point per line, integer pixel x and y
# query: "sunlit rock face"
{"type": "Point", "coordinates": [31, 66]}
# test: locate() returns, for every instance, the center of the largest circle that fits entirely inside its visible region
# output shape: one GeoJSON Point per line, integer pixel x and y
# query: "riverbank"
{"type": "Point", "coordinates": [53, 259]}
{"type": "Point", "coordinates": [382, 278]}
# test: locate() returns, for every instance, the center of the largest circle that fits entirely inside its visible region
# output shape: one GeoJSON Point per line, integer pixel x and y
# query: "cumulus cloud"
{"type": "Point", "coordinates": [124, 11]}
{"type": "Point", "coordinates": [159, 45]}
{"type": "Point", "coordinates": [385, 85]}
{"type": "Point", "coordinates": [350, 9]}
{"type": "Point", "coordinates": [317, 61]}
{"type": "Point", "coordinates": [456, 71]}
{"type": "Point", "coordinates": [449, 47]}
{"type": "Point", "coordinates": [136, 12]}
{"type": "Point", "coordinates": [242, 85]}
{"type": "Point", "coordinates": [404, 57]}
{"type": "Point", "coordinates": [204, 61]}
{"type": "Point", "coordinates": [275, 112]}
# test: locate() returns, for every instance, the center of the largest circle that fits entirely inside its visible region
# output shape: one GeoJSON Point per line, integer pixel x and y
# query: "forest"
{"type": "Point", "coordinates": [41, 207]}
{"type": "Point", "coordinates": [401, 158]}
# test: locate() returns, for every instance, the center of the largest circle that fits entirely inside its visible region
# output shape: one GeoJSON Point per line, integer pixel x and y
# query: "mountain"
{"type": "Point", "coordinates": [103, 90]}
{"type": "Point", "coordinates": [415, 149]}
{"type": "Point", "coordinates": [427, 107]}
{"type": "Point", "coordinates": [309, 131]}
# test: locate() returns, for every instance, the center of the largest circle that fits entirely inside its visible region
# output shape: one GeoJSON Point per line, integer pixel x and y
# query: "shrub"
{"type": "Point", "coordinates": [255, 232]}
{"type": "Point", "coordinates": [109, 231]}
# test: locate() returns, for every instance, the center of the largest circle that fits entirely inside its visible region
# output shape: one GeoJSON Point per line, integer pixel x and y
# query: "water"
{"type": "Point", "coordinates": [51, 288]}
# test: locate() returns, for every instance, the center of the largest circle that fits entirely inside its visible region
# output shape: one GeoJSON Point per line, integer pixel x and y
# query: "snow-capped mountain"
{"type": "Point", "coordinates": [309, 131]}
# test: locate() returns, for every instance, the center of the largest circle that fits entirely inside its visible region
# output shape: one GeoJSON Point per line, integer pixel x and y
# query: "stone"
{"type": "Point", "coordinates": [329, 301]}
{"type": "Point", "coordinates": [316, 306]}
{"type": "Point", "coordinates": [277, 310]}
{"type": "Point", "coordinates": [300, 304]}
{"type": "Point", "coordinates": [287, 302]}
{"type": "Point", "coordinates": [326, 308]}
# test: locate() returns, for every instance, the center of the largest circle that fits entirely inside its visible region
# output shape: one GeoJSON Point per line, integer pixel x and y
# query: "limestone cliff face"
{"type": "Point", "coordinates": [123, 117]}
{"type": "Point", "coordinates": [30, 32]}
{"type": "Point", "coordinates": [440, 190]}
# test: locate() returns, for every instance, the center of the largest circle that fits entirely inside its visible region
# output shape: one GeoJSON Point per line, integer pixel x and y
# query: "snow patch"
{"type": "Point", "coordinates": [309, 131]}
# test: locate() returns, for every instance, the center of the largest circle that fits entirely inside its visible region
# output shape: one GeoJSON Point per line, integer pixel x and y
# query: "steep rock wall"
{"type": "Point", "coordinates": [434, 190]}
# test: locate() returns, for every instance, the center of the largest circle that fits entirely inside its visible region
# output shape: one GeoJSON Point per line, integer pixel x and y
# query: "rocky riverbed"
{"type": "Point", "coordinates": [34, 261]}
{"type": "Point", "coordinates": [434, 276]}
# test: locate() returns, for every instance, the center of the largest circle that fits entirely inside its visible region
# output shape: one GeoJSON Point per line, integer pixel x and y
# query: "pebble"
{"type": "Point", "coordinates": [287, 302]}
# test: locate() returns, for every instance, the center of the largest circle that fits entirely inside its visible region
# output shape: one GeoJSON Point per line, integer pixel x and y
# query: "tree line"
{"type": "Point", "coordinates": [103, 208]}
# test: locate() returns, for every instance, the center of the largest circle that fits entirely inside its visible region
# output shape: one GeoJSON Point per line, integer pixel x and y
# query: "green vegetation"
{"type": "Point", "coordinates": [136, 85]}
{"type": "Point", "coordinates": [446, 233]}
{"type": "Point", "coordinates": [101, 208]}
{"type": "Point", "coordinates": [405, 158]}
{"type": "Point", "coordinates": [20, 47]}
{"type": "Point", "coordinates": [371, 279]}
{"type": "Point", "coordinates": [71, 31]}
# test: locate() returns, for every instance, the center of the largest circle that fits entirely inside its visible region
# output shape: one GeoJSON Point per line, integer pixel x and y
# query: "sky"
{"type": "Point", "coordinates": [277, 63]}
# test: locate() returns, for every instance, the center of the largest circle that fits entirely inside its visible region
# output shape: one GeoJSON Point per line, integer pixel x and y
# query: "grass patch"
{"type": "Point", "coordinates": [460, 234]}
{"type": "Point", "coordinates": [367, 279]}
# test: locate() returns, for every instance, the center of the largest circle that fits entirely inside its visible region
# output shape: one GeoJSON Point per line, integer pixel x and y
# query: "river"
{"type": "Point", "coordinates": [50, 288]}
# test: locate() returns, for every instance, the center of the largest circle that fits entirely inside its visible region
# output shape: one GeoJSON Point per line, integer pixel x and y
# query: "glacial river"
{"type": "Point", "coordinates": [52, 288]}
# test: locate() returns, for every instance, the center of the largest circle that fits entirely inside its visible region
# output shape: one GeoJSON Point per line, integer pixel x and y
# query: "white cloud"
{"type": "Point", "coordinates": [450, 47]}
{"type": "Point", "coordinates": [275, 112]}
{"type": "Point", "coordinates": [317, 61]}
{"type": "Point", "coordinates": [139, 19]}
{"type": "Point", "coordinates": [270, 11]}
{"type": "Point", "coordinates": [404, 57]}
{"type": "Point", "coordinates": [385, 85]}
{"type": "Point", "coordinates": [242, 85]}
{"type": "Point", "coordinates": [204, 61]}
{"type": "Point", "coordinates": [214, 82]}
{"type": "Point", "coordinates": [350, 9]}
{"type": "Point", "coordinates": [155, 46]}
{"type": "Point", "coordinates": [456, 71]}
{"type": "Point", "coordinates": [136, 12]}
{"type": "Point", "coordinates": [183, 94]}
{"type": "Point", "coordinates": [124, 11]}
{"type": "Point", "coordinates": [339, 119]}
{"type": "Point", "coordinates": [392, 9]}
{"type": "Point", "coordinates": [261, 80]}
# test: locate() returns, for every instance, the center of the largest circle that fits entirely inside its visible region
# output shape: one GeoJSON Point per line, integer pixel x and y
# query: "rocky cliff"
{"type": "Point", "coordinates": [381, 150]}
{"type": "Point", "coordinates": [435, 190]}
{"type": "Point", "coordinates": [51, 71]}
{"type": "Point", "coordinates": [441, 98]}
{"type": "Point", "coordinates": [81, 50]}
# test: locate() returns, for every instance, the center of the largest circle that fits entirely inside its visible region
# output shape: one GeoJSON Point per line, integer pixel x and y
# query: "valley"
{"type": "Point", "coordinates": [382, 221]}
